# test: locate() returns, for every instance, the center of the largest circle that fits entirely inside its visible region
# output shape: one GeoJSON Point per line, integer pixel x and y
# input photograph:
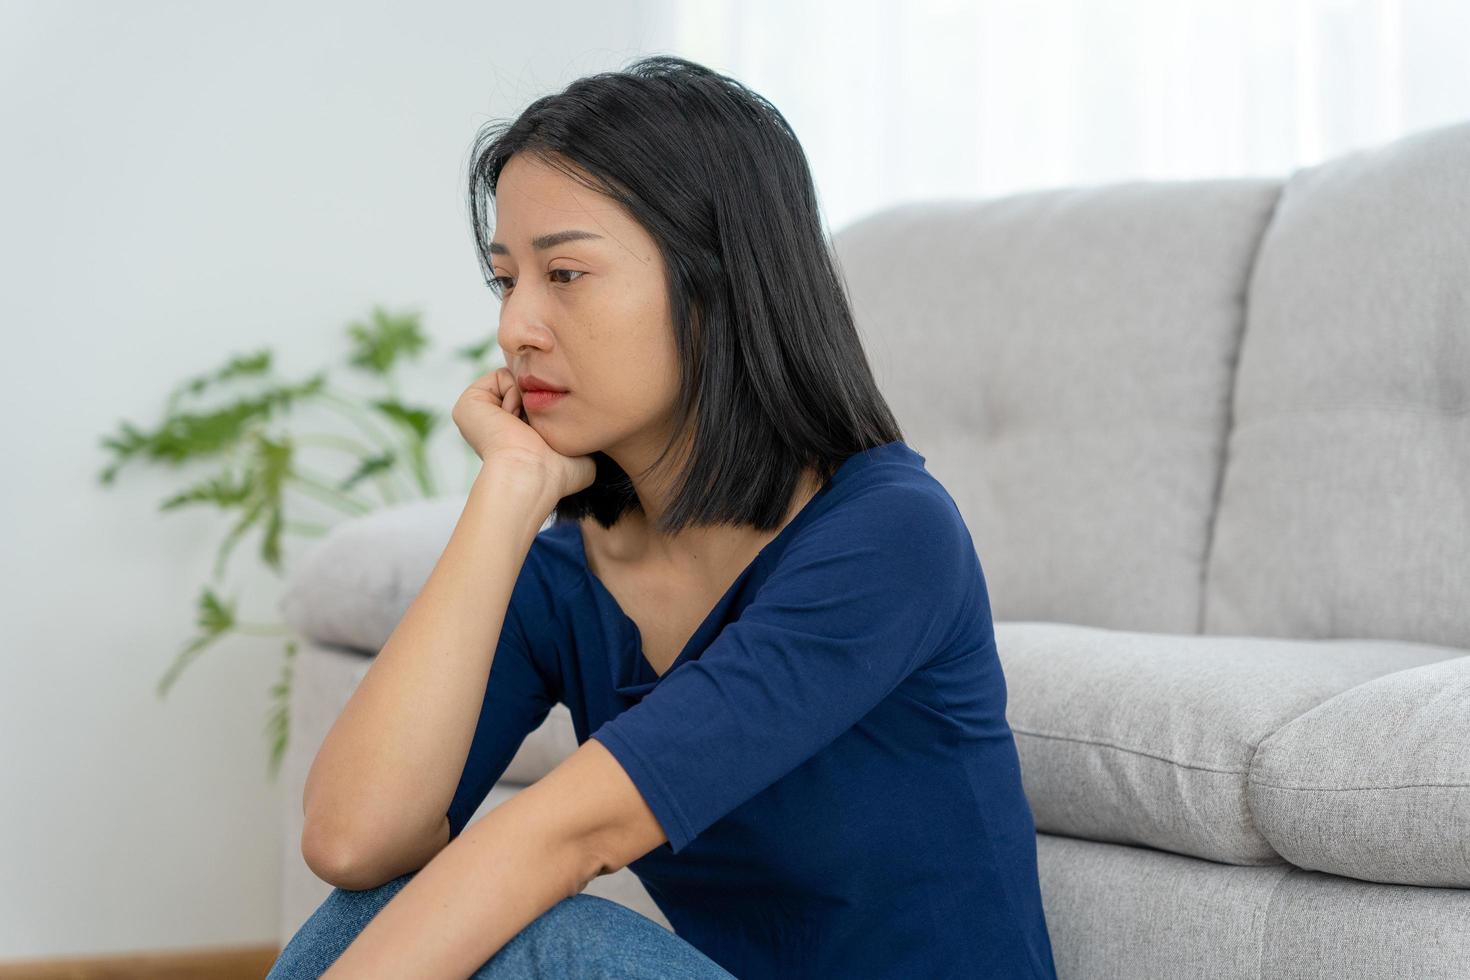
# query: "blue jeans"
{"type": "Point", "coordinates": [584, 937]}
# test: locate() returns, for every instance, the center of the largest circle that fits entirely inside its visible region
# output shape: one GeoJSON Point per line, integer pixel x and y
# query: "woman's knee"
{"type": "Point", "coordinates": [583, 910]}
{"type": "Point", "coordinates": [585, 936]}
{"type": "Point", "coordinates": [330, 929]}
{"type": "Point", "coordinates": [572, 921]}
{"type": "Point", "coordinates": [369, 900]}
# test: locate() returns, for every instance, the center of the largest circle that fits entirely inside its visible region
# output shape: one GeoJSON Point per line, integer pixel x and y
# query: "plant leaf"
{"type": "Point", "coordinates": [420, 421]}
{"type": "Point", "coordinates": [238, 366]}
{"type": "Point", "coordinates": [190, 435]}
{"type": "Point", "coordinates": [224, 489]}
{"type": "Point", "coordinates": [214, 617]}
{"type": "Point", "coordinates": [278, 721]}
{"type": "Point", "coordinates": [476, 353]}
{"type": "Point", "coordinates": [270, 465]}
{"type": "Point", "coordinates": [379, 344]}
{"type": "Point", "coordinates": [368, 467]}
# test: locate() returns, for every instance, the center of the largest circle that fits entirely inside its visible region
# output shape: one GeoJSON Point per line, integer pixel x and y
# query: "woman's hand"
{"type": "Point", "coordinates": [491, 417]}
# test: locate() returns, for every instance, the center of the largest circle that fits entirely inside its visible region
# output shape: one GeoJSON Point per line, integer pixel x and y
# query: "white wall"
{"type": "Point", "coordinates": [183, 182]}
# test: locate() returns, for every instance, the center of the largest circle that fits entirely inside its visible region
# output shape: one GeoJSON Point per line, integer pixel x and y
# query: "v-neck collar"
{"type": "Point", "coordinates": [637, 678]}
{"type": "Point", "coordinates": [634, 676]}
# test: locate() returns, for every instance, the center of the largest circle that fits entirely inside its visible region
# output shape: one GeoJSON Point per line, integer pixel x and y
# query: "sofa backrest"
{"type": "Point", "coordinates": [1063, 360]}
{"type": "Point", "coordinates": [1227, 406]}
{"type": "Point", "coordinates": [1345, 509]}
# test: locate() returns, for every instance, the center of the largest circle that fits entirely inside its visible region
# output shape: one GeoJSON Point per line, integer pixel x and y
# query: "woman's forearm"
{"type": "Point", "coordinates": [491, 882]}
{"type": "Point", "coordinates": [384, 776]}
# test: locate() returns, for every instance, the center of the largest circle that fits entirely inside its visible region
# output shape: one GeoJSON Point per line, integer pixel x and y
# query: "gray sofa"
{"type": "Point", "coordinates": [1212, 440]}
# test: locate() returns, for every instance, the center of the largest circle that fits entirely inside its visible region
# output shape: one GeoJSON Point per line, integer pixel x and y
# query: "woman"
{"type": "Point", "coordinates": [766, 617]}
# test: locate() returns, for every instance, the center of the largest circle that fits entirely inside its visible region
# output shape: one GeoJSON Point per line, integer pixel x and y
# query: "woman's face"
{"type": "Point", "coordinates": [588, 314]}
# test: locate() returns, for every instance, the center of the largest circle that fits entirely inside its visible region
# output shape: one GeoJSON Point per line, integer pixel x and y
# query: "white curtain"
{"type": "Point", "coordinates": [940, 98]}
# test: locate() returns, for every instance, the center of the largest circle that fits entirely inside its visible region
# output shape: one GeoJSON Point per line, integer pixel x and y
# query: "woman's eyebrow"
{"type": "Point", "coordinates": [546, 241]}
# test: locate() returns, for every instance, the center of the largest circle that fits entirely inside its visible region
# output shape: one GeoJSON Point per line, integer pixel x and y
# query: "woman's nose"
{"type": "Point", "coordinates": [516, 334]}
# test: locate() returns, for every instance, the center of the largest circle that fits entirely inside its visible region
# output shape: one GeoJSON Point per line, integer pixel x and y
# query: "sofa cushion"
{"type": "Point", "coordinates": [1145, 738]}
{"type": "Point", "coordinates": [1064, 358]}
{"type": "Point", "coordinates": [1375, 783]}
{"type": "Point", "coordinates": [1345, 506]}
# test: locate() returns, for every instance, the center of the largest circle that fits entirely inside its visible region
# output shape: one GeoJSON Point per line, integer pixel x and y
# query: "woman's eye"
{"type": "Point", "coordinates": [499, 285]}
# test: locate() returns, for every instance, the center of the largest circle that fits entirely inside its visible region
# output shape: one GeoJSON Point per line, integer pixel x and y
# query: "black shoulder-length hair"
{"type": "Point", "coordinates": [774, 378]}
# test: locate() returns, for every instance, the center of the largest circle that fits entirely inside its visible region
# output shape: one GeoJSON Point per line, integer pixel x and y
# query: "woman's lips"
{"type": "Point", "coordinates": [540, 400]}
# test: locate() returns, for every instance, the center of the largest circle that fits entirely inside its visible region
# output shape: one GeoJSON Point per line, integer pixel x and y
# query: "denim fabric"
{"type": "Point", "coordinates": [584, 937]}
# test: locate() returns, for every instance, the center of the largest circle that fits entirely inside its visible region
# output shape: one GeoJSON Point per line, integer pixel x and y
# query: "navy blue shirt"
{"type": "Point", "coordinates": [828, 755]}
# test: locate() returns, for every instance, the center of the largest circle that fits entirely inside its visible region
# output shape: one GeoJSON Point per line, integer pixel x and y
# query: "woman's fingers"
{"type": "Point", "coordinates": [486, 381]}
{"type": "Point", "coordinates": [499, 384]}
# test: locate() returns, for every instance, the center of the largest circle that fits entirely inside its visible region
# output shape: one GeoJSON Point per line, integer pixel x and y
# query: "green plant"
{"type": "Point", "coordinates": [259, 460]}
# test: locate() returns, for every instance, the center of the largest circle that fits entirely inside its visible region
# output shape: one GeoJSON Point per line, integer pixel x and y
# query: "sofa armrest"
{"type": "Point", "coordinates": [351, 588]}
